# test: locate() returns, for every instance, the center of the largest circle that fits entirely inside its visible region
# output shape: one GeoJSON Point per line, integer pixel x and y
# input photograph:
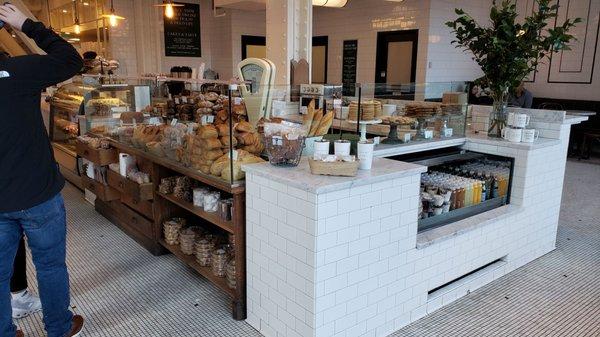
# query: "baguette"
{"type": "Point", "coordinates": [325, 124]}
{"type": "Point", "coordinates": [315, 123]}
{"type": "Point", "coordinates": [310, 115]}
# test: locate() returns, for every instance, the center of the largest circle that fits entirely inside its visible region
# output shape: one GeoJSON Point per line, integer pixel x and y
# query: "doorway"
{"type": "Point", "coordinates": [254, 46]}
{"type": "Point", "coordinates": [396, 62]}
{"type": "Point", "coordinates": [320, 46]}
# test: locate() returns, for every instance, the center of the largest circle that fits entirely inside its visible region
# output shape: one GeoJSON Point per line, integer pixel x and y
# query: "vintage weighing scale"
{"type": "Point", "coordinates": [260, 74]}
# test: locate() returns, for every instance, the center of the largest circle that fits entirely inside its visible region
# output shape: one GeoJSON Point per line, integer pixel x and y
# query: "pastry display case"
{"type": "Point", "coordinates": [65, 106]}
{"type": "Point", "coordinates": [63, 127]}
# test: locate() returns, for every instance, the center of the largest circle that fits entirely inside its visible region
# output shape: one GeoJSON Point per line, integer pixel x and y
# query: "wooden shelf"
{"type": "Point", "coordinates": [190, 260]}
{"type": "Point", "coordinates": [218, 183]}
{"type": "Point", "coordinates": [213, 218]}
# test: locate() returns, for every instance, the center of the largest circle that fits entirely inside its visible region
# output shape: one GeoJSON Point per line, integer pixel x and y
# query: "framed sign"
{"type": "Point", "coordinates": [182, 32]}
{"type": "Point", "coordinates": [349, 59]}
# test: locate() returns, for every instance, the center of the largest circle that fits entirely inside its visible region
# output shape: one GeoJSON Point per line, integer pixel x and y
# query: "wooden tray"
{"type": "Point", "coordinates": [338, 168]}
{"type": "Point", "coordinates": [100, 157]}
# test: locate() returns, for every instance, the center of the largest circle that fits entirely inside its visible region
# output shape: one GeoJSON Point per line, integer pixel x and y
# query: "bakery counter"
{"type": "Point", "coordinates": [331, 256]}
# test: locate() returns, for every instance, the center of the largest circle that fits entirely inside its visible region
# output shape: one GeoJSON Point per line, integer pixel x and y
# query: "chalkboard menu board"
{"type": "Point", "coordinates": [182, 32]}
{"type": "Point", "coordinates": [349, 60]}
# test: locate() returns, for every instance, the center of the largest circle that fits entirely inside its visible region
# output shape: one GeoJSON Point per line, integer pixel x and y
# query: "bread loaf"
{"type": "Point", "coordinates": [310, 115]}
{"type": "Point", "coordinates": [325, 124]}
{"type": "Point", "coordinates": [207, 131]}
{"type": "Point", "coordinates": [315, 124]}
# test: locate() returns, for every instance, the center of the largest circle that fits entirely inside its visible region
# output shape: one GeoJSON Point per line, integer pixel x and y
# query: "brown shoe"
{"type": "Point", "coordinates": [77, 326]}
{"type": "Point", "coordinates": [20, 334]}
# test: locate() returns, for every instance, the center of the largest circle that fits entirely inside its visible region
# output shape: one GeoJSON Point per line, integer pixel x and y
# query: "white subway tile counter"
{"type": "Point", "coordinates": [334, 256]}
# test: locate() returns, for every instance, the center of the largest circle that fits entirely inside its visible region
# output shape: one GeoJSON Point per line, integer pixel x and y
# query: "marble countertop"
{"type": "Point", "coordinates": [574, 119]}
{"type": "Point", "coordinates": [300, 177]}
{"type": "Point", "coordinates": [435, 235]}
{"type": "Point", "coordinates": [480, 138]}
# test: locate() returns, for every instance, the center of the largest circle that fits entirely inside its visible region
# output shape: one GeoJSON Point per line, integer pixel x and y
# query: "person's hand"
{"type": "Point", "coordinates": [12, 16]}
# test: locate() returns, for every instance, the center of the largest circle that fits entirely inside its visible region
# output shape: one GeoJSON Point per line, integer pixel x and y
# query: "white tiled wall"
{"type": "Point", "coordinates": [361, 20]}
{"type": "Point", "coordinates": [346, 263]}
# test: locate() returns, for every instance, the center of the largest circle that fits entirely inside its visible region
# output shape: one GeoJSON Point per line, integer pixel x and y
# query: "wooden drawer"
{"type": "Point", "coordinates": [103, 192]}
{"type": "Point", "coordinates": [132, 219]}
{"type": "Point", "coordinates": [143, 207]}
{"type": "Point", "coordinates": [130, 187]}
{"type": "Point", "coordinates": [100, 157]}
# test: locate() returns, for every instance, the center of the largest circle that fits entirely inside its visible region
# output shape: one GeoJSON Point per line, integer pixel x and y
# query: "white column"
{"type": "Point", "coordinates": [289, 35]}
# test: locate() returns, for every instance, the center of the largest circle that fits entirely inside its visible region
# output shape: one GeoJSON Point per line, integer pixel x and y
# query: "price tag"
{"type": "Point", "coordinates": [190, 128]}
{"type": "Point", "coordinates": [448, 132]}
{"type": "Point", "coordinates": [237, 100]}
{"type": "Point", "coordinates": [407, 137]}
{"type": "Point", "coordinates": [235, 155]}
{"type": "Point", "coordinates": [207, 119]}
{"type": "Point", "coordinates": [428, 134]}
{"type": "Point", "coordinates": [277, 140]}
{"type": "Point", "coordinates": [154, 121]}
{"type": "Point", "coordinates": [184, 99]}
{"type": "Point", "coordinates": [176, 100]}
{"type": "Point", "coordinates": [376, 140]}
{"type": "Point", "coordinates": [174, 122]}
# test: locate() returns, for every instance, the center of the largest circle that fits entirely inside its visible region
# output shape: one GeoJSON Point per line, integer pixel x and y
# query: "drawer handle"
{"type": "Point", "coordinates": [134, 220]}
{"type": "Point", "coordinates": [121, 184]}
{"type": "Point", "coordinates": [135, 201]}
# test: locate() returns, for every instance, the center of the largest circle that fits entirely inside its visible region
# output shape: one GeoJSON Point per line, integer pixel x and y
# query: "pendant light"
{"type": "Point", "coordinates": [113, 19]}
{"type": "Point", "coordinates": [169, 6]}
{"type": "Point", "coordinates": [77, 27]}
{"type": "Point", "coordinates": [329, 3]}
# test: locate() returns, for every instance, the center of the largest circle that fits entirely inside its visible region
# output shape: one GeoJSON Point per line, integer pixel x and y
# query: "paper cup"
{"type": "Point", "coordinates": [321, 147]}
{"type": "Point", "coordinates": [389, 109]}
{"type": "Point", "coordinates": [365, 154]}
{"type": "Point", "coordinates": [341, 148]}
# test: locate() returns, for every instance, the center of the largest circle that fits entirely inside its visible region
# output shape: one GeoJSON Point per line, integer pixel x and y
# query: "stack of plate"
{"type": "Point", "coordinates": [370, 109]}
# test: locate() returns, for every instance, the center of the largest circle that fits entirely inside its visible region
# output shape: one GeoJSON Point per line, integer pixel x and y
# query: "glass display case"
{"type": "Point", "coordinates": [460, 184]}
{"type": "Point", "coordinates": [65, 106]}
{"type": "Point", "coordinates": [204, 130]}
{"type": "Point", "coordinates": [110, 101]}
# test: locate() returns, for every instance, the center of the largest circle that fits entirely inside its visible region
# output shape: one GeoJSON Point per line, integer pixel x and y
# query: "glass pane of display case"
{"type": "Point", "coordinates": [111, 101]}
{"type": "Point", "coordinates": [65, 106]}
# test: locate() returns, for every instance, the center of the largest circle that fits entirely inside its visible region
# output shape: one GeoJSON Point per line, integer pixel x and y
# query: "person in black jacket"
{"type": "Point", "coordinates": [30, 182]}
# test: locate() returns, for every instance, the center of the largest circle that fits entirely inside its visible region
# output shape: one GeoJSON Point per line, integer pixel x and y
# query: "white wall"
{"type": "Point", "coordinates": [361, 20]}
{"type": "Point", "coordinates": [446, 63]}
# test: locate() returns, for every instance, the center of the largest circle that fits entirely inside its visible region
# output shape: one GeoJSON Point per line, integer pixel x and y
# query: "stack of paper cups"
{"type": "Point", "coordinates": [321, 148]}
{"type": "Point", "coordinates": [341, 147]}
{"type": "Point", "coordinates": [126, 162]}
{"type": "Point", "coordinates": [365, 154]}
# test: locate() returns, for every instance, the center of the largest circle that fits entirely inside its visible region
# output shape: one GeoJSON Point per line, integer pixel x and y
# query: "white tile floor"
{"type": "Point", "coordinates": [125, 291]}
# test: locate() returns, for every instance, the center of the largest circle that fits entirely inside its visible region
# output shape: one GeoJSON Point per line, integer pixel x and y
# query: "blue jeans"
{"type": "Point", "coordinates": [46, 230]}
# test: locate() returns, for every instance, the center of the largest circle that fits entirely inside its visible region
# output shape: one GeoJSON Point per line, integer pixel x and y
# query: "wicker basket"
{"type": "Point", "coordinates": [338, 168]}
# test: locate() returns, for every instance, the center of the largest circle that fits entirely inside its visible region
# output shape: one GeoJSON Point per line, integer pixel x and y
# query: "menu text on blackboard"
{"type": "Point", "coordinates": [349, 59]}
{"type": "Point", "coordinates": [182, 32]}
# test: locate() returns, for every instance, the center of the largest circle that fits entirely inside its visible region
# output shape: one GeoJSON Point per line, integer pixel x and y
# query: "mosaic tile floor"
{"type": "Point", "coordinates": [125, 291]}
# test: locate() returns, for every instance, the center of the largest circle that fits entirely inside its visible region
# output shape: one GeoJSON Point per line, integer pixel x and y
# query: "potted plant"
{"type": "Point", "coordinates": [507, 51]}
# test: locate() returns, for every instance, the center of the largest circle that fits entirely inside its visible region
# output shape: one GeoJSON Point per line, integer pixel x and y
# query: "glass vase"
{"type": "Point", "coordinates": [498, 116]}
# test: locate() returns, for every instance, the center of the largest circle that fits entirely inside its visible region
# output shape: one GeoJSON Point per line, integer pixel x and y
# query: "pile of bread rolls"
{"type": "Point", "coordinates": [248, 138]}
{"type": "Point", "coordinates": [316, 122]}
{"type": "Point", "coordinates": [206, 148]}
{"type": "Point", "coordinates": [222, 166]}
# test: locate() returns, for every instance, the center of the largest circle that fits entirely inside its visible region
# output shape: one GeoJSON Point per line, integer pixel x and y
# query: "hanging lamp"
{"type": "Point", "coordinates": [77, 27]}
{"type": "Point", "coordinates": [169, 6]}
{"type": "Point", "coordinates": [113, 18]}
